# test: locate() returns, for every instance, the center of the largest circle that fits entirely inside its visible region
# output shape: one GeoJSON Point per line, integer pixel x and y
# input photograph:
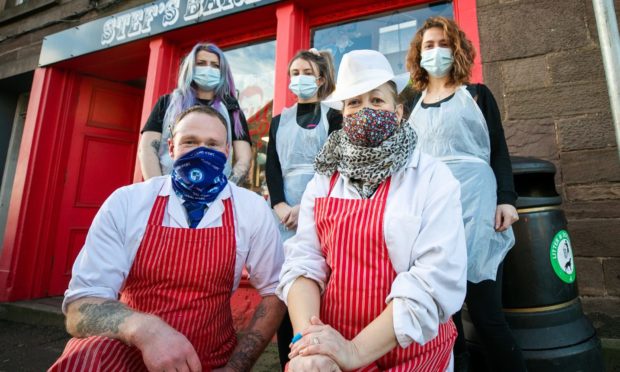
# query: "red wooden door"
{"type": "Point", "coordinates": [102, 157]}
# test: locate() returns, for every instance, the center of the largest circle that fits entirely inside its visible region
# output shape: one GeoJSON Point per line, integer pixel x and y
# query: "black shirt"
{"type": "Point", "coordinates": [308, 116]}
{"type": "Point", "coordinates": [155, 121]}
{"type": "Point", "coordinates": [500, 158]}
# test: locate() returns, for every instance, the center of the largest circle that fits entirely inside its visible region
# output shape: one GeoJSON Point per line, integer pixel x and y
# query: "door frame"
{"type": "Point", "coordinates": [25, 264]}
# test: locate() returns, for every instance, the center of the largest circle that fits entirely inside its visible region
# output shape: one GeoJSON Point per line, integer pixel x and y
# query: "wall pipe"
{"type": "Point", "coordinates": [609, 40]}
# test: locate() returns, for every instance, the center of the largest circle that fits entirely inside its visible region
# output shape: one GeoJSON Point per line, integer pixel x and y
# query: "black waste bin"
{"type": "Point", "coordinates": [540, 297]}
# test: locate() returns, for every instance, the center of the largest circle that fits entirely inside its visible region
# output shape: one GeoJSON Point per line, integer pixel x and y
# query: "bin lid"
{"type": "Point", "coordinates": [524, 164]}
{"type": "Point", "coordinates": [532, 202]}
{"type": "Point", "coordinates": [534, 182]}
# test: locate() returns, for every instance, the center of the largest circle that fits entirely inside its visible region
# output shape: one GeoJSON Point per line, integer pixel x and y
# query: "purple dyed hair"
{"type": "Point", "coordinates": [184, 96]}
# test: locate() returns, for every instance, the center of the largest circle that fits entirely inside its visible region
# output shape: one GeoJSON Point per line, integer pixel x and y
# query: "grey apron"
{"type": "Point", "coordinates": [457, 134]}
{"type": "Point", "coordinates": [297, 147]}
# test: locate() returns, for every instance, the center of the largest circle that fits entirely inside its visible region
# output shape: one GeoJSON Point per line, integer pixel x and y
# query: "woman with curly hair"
{"type": "Point", "coordinates": [460, 124]}
{"type": "Point", "coordinates": [204, 78]}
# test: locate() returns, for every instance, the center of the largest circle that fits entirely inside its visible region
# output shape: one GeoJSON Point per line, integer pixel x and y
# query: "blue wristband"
{"type": "Point", "coordinates": [296, 338]}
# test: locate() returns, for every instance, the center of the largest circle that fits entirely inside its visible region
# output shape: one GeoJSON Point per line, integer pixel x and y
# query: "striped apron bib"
{"type": "Point", "coordinates": [351, 235]}
{"type": "Point", "coordinates": [184, 276]}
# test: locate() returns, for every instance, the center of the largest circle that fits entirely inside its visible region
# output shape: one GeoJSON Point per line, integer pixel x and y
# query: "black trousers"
{"type": "Point", "coordinates": [484, 304]}
{"type": "Point", "coordinates": [285, 335]}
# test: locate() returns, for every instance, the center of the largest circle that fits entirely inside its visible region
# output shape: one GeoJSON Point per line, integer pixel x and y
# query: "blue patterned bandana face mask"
{"type": "Point", "coordinates": [437, 61]}
{"type": "Point", "coordinates": [206, 77]}
{"type": "Point", "coordinates": [198, 176]}
{"type": "Point", "coordinates": [303, 86]}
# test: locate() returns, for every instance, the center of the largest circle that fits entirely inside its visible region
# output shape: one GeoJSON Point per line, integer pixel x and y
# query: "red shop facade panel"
{"type": "Point", "coordinates": [98, 83]}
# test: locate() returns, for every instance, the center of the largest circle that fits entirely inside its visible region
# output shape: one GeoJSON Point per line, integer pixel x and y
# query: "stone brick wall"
{"type": "Point", "coordinates": [542, 61]}
{"type": "Point", "coordinates": [21, 36]}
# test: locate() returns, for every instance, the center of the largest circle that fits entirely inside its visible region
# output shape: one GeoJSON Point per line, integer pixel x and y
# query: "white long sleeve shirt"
{"type": "Point", "coordinates": [423, 230]}
{"type": "Point", "coordinates": [115, 235]}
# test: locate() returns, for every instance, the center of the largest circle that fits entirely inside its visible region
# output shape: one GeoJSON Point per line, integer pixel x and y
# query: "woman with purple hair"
{"type": "Point", "coordinates": [204, 78]}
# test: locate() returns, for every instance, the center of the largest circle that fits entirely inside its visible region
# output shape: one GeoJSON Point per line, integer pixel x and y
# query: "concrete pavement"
{"type": "Point", "coordinates": [32, 337]}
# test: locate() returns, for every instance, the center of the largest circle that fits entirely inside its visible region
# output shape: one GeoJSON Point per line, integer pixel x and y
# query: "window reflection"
{"type": "Point", "coordinates": [390, 34]}
{"type": "Point", "coordinates": [12, 3]}
{"type": "Point", "coordinates": [253, 71]}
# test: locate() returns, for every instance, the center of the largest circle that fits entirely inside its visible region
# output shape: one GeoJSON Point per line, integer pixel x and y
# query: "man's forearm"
{"type": "Point", "coordinates": [163, 348]}
{"type": "Point", "coordinates": [266, 319]}
{"type": "Point", "coordinates": [92, 316]}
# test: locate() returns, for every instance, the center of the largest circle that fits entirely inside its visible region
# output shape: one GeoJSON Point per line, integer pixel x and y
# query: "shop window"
{"type": "Point", "coordinates": [14, 9]}
{"type": "Point", "coordinates": [388, 33]}
{"type": "Point", "coordinates": [14, 3]}
{"type": "Point", "coordinates": [253, 68]}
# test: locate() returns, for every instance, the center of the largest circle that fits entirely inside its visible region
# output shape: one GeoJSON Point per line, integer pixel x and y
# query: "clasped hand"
{"type": "Point", "coordinates": [322, 348]}
{"type": "Point", "coordinates": [288, 215]}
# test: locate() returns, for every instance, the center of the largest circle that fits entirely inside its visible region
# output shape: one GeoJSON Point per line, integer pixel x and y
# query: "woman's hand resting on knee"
{"type": "Point", "coordinates": [321, 339]}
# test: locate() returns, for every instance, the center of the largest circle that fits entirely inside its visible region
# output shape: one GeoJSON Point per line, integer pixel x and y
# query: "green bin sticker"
{"type": "Point", "coordinates": [562, 257]}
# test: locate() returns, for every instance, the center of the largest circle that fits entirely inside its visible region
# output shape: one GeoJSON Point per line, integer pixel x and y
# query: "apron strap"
{"type": "Point", "coordinates": [332, 182]}
{"type": "Point", "coordinates": [157, 212]}
{"type": "Point", "coordinates": [383, 189]}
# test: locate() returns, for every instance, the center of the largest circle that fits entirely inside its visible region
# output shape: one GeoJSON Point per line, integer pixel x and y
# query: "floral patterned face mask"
{"type": "Point", "coordinates": [369, 128]}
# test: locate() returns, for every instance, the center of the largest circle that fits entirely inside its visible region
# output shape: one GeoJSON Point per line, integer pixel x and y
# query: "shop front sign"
{"type": "Point", "coordinates": [137, 23]}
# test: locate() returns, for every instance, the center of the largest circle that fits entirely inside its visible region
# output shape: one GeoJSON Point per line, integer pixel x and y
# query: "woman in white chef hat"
{"type": "Point", "coordinates": [378, 264]}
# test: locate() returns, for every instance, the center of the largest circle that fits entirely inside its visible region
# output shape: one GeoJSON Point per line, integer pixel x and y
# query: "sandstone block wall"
{"type": "Point", "coordinates": [541, 59]}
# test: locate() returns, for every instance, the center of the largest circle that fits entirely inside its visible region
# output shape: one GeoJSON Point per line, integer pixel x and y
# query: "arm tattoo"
{"type": "Point", "coordinates": [99, 319]}
{"type": "Point", "coordinates": [250, 345]}
{"type": "Point", "coordinates": [155, 145]}
{"type": "Point", "coordinates": [259, 313]}
{"type": "Point", "coordinates": [239, 174]}
{"type": "Point", "coordinates": [237, 179]}
{"type": "Point", "coordinates": [247, 352]}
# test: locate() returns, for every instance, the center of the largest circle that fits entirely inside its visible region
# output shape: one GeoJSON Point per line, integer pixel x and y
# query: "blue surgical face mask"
{"type": "Point", "coordinates": [303, 86]}
{"type": "Point", "coordinates": [437, 61]}
{"type": "Point", "coordinates": [198, 176]}
{"type": "Point", "coordinates": [206, 77]}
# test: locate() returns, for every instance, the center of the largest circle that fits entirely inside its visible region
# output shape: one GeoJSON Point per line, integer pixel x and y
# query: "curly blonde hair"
{"type": "Point", "coordinates": [462, 50]}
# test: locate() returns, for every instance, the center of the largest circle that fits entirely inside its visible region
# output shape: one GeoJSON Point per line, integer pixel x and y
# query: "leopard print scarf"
{"type": "Point", "coordinates": [366, 167]}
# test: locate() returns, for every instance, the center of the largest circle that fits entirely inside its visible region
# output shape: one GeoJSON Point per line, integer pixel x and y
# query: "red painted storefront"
{"type": "Point", "coordinates": [84, 118]}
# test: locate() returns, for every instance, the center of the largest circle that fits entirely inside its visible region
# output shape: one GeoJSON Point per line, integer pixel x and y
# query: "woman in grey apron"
{"type": "Point", "coordinates": [461, 126]}
{"type": "Point", "coordinates": [295, 137]}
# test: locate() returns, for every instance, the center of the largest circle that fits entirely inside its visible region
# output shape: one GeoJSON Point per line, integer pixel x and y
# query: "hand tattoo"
{"type": "Point", "coordinates": [102, 318]}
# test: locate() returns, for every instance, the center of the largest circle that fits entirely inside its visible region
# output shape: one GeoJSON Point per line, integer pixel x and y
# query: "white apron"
{"type": "Point", "coordinates": [164, 156]}
{"type": "Point", "coordinates": [457, 134]}
{"type": "Point", "coordinates": [297, 147]}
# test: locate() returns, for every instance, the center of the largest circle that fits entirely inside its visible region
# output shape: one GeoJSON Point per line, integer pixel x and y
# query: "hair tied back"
{"type": "Point", "coordinates": [315, 52]}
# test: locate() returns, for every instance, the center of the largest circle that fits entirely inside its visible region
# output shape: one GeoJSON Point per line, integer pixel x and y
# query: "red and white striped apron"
{"type": "Point", "coordinates": [184, 276]}
{"type": "Point", "coordinates": [351, 235]}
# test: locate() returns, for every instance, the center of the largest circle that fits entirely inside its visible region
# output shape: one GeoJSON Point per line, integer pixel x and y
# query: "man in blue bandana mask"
{"type": "Point", "coordinates": [152, 284]}
{"type": "Point", "coordinates": [200, 157]}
